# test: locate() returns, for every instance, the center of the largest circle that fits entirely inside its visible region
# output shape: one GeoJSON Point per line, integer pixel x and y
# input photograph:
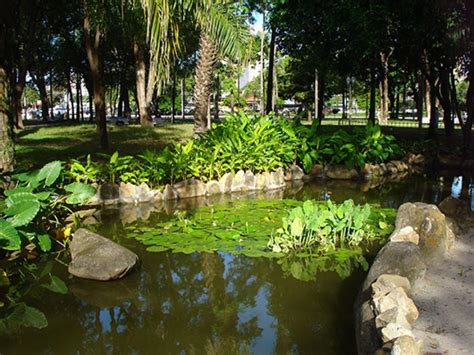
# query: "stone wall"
{"type": "Point", "coordinates": [384, 310]}
{"type": "Point", "coordinates": [247, 181]}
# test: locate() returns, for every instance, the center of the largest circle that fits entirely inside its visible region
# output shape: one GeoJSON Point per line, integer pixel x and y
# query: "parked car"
{"type": "Point", "coordinates": [118, 120]}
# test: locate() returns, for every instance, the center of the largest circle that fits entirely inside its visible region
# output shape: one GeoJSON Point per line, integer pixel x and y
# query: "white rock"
{"type": "Point", "coordinates": [393, 331]}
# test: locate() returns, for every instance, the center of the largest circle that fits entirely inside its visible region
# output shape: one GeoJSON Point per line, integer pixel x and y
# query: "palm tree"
{"type": "Point", "coordinates": [221, 32]}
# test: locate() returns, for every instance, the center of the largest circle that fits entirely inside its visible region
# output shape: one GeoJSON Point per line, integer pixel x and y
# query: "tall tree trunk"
{"type": "Point", "coordinates": [41, 84]}
{"type": "Point", "coordinates": [51, 94]}
{"type": "Point", "coordinates": [173, 97]}
{"type": "Point", "coordinates": [78, 97]}
{"type": "Point", "coordinates": [372, 95]}
{"type": "Point", "coordinates": [19, 81]}
{"type": "Point", "coordinates": [470, 91]}
{"type": "Point", "coordinates": [321, 93]}
{"type": "Point", "coordinates": [420, 95]}
{"type": "Point", "coordinates": [384, 102]}
{"type": "Point", "coordinates": [434, 114]}
{"type": "Point", "coordinates": [203, 82]}
{"type": "Point", "coordinates": [183, 99]}
{"type": "Point", "coordinates": [144, 105]}
{"type": "Point", "coordinates": [404, 101]}
{"type": "Point", "coordinates": [262, 61]}
{"type": "Point", "coordinates": [444, 96]}
{"type": "Point", "coordinates": [271, 72]}
{"type": "Point", "coordinates": [93, 49]}
{"type": "Point", "coordinates": [7, 148]}
{"type": "Point", "coordinates": [70, 94]}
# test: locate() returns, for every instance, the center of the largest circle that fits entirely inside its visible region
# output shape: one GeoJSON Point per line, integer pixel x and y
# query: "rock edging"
{"type": "Point", "coordinates": [384, 310]}
{"type": "Point", "coordinates": [247, 181]}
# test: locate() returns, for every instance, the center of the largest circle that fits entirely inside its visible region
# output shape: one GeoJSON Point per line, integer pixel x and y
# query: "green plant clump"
{"type": "Point", "coordinates": [323, 227]}
{"type": "Point", "coordinates": [240, 142]}
{"type": "Point", "coordinates": [36, 205]}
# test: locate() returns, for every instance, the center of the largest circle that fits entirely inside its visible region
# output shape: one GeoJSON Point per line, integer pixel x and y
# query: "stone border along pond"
{"type": "Point", "coordinates": [384, 311]}
{"type": "Point", "coordinates": [245, 181]}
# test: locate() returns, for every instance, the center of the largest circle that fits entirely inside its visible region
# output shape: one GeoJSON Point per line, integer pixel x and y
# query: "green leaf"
{"type": "Point", "coordinates": [297, 227]}
{"type": "Point", "coordinates": [44, 242]}
{"type": "Point", "coordinates": [22, 213]}
{"type": "Point", "coordinates": [4, 281]}
{"type": "Point", "coordinates": [80, 193]}
{"type": "Point", "coordinates": [17, 190]}
{"type": "Point", "coordinates": [383, 224]}
{"type": "Point", "coordinates": [26, 316]}
{"type": "Point", "coordinates": [50, 172]}
{"type": "Point", "coordinates": [9, 237]}
{"type": "Point", "coordinates": [20, 197]}
{"type": "Point", "coordinates": [56, 285]}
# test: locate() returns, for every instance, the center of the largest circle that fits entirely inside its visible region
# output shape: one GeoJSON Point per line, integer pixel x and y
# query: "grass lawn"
{"type": "Point", "coordinates": [39, 145]}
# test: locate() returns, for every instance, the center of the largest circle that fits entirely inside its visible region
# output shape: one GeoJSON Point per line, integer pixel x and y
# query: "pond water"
{"type": "Point", "coordinates": [214, 303]}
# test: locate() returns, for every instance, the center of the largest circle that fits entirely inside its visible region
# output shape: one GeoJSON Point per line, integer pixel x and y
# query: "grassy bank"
{"type": "Point", "coordinates": [37, 146]}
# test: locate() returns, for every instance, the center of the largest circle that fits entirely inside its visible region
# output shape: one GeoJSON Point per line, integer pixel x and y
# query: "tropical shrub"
{"type": "Point", "coordinates": [32, 209]}
{"type": "Point", "coordinates": [240, 142]}
{"type": "Point", "coordinates": [322, 227]}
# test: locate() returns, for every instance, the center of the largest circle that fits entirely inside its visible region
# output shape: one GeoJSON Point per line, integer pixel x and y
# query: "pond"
{"type": "Point", "coordinates": [217, 303]}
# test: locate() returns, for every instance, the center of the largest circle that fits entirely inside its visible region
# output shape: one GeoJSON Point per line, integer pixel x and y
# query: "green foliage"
{"type": "Point", "coordinates": [27, 278]}
{"type": "Point", "coordinates": [240, 142]}
{"type": "Point", "coordinates": [35, 204]}
{"type": "Point", "coordinates": [316, 227]}
{"type": "Point", "coordinates": [355, 149]}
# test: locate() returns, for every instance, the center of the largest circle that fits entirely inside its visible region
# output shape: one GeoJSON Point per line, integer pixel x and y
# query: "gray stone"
{"type": "Point", "coordinates": [455, 208]}
{"type": "Point", "coordinates": [393, 331]}
{"type": "Point", "coordinates": [213, 188]}
{"type": "Point", "coordinates": [157, 196]}
{"type": "Point", "coordinates": [340, 172]}
{"type": "Point", "coordinates": [109, 193]}
{"type": "Point", "coordinates": [169, 193]}
{"type": "Point", "coordinates": [190, 188]}
{"type": "Point", "coordinates": [397, 298]}
{"type": "Point", "coordinates": [97, 258]}
{"type": "Point", "coordinates": [238, 182]}
{"type": "Point", "coordinates": [406, 234]}
{"type": "Point", "coordinates": [225, 182]}
{"type": "Point", "coordinates": [89, 221]}
{"type": "Point", "coordinates": [406, 345]}
{"type": "Point", "coordinates": [250, 181]}
{"type": "Point", "coordinates": [294, 172]}
{"type": "Point", "coordinates": [386, 283]}
{"type": "Point", "coordinates": [401, 258]}
{"type": "Point", "coordinates": [275, 179]}
{"type": "Point", "coordinates": [430, 224]}
{"type": "Point", "coordinates": [393, 315]}
{"type": "Point", "coordinates": [127, 193]}
{"type": "Point", "coordinates": [144, 193]}
{"type": "Point", "coordinates": [260, 183]}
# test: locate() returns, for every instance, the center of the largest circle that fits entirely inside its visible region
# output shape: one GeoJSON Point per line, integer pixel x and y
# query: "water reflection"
{"type": "Point", "coordinates": [198, 303]}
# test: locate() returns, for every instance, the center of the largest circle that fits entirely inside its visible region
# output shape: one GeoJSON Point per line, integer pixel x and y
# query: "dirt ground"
{"type": "Point", "coordinates": [445, 301]}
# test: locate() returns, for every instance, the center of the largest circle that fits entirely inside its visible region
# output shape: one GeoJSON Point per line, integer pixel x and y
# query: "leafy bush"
{"type": "Point", "coordinates": [322, 227]}
{"type": "Point", "coordinates": [35, 204]}
{"type": "Point", "coordinates": [363, 145]}
{"type": "Point", "coordinates": [261, 143]}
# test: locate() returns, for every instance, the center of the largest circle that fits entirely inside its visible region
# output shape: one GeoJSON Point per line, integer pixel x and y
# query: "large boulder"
{"type": "Point", "coordinates": [97, 258]}
{"type": "Point", "coordinates": [340, 172]}
{"type": "Point", "coordinates": [398, 258]}
{"type": "Point", "coordinates": [430, 224]}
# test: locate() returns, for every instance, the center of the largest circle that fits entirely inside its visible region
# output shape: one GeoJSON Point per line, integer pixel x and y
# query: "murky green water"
{"type": "Point", "coordinates": [216, 303]}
